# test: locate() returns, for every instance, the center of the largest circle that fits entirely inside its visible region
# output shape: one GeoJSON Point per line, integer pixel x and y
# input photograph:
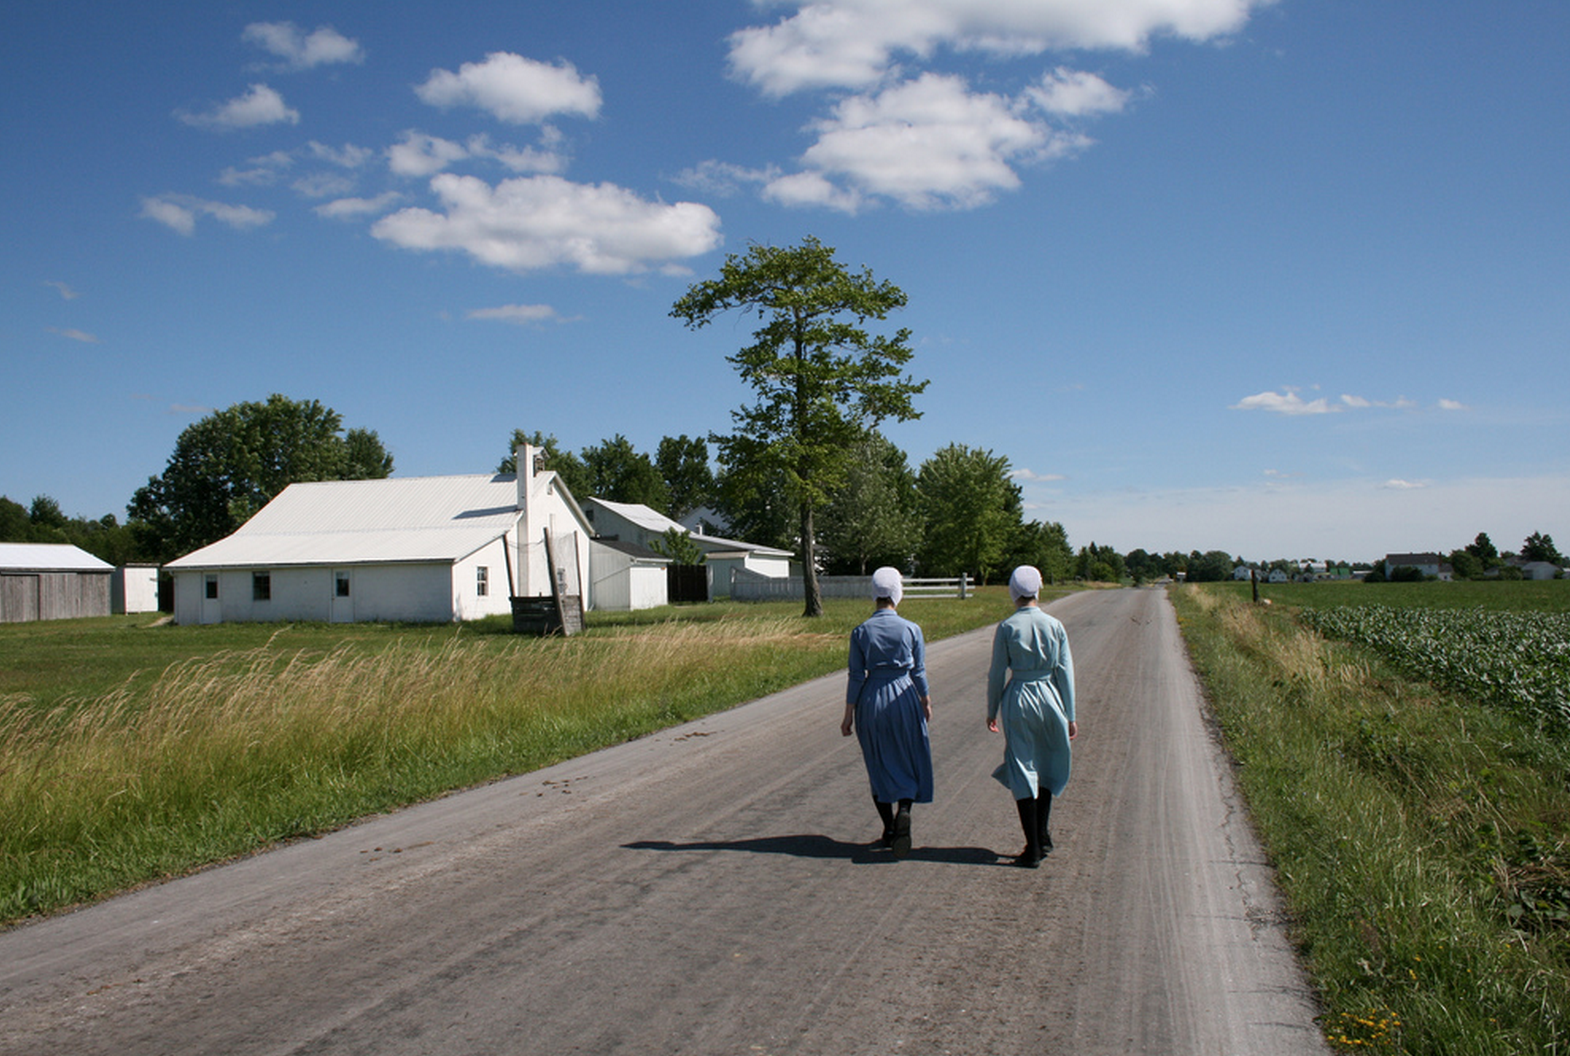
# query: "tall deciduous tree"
{"type": "Point", "coordinates": [619, 472]}
{"type": "Point", "coordinates": [872, 520]}
{"type": "Point", "coordinates": [1539, 546]}
{"type": "Point", "coordinates": [233, 462]}
{"type": "Point", "coordinates": [684, 463]}
{"type": "Point", "coordinates": [1044, 545]}
{"type": "Point", "coordinates": [970, 511]}
{"type": "Point", "coordinates": [821, 379]}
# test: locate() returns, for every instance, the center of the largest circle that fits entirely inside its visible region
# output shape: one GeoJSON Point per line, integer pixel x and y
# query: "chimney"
{"type": "Point", "coordinates": [524, 455]}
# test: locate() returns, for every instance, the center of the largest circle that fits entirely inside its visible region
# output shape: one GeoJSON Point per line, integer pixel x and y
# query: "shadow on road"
{"type": "Point", "coordinates": [817, 846]}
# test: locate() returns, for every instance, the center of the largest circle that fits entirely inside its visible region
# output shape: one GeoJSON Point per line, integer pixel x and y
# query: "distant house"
{"type": "Point", "coordinates": [420, 549]}
{"type": "Point", "coordinates": [51, 581]}
{"type": "Point", "coordinates": [1540, 570]}
{"type": "Point", "coordinates": [636, 523]}
{"type": "Point", "coordinates": [1431, 565]}
{"type": "Point", "coordinates": [1242, 572]}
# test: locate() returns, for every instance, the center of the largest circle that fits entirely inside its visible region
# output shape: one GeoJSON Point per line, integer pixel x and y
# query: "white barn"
{"type": "Point", "coordinates": [419, 549]}
{"type": "Point", "coordinates": [636, 523]}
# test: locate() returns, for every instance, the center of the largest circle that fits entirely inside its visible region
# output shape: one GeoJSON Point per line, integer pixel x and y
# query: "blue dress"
{"type": "Point", "coordinates": [888, 678]}
{"type": "Point", "coordinates": [1037, 704]}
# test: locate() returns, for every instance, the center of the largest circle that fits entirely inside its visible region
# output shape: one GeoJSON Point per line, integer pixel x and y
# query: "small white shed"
{"type": "Point", "coordinates": [134, 588]}
{"type": "Point", "coordinates": [628, 576]}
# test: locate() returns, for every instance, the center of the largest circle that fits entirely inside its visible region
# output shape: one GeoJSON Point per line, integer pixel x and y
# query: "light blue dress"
{"type": "Point", "coordinates": [888, 678]}
{"type": "Point", "coordinates": [1036, 705]}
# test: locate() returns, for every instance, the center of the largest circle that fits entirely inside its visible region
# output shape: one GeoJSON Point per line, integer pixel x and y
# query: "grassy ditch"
{"type": "Point", "coordinates": [1420, 836]}
{"type": "Point", "coordinates": [130, 753]}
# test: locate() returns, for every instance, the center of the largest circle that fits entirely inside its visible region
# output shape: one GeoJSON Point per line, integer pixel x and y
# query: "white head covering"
{"type": "Point", "coordinates": [1024, 583]}
{"type": "Point", "coordinates": [886, 583]}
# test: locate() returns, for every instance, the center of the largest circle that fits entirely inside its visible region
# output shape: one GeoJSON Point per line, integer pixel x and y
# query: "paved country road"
{"type": "Point", "coordinates": [710, 890]}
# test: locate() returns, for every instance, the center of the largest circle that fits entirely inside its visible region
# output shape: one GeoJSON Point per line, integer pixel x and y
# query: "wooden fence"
{"type": "Point", "coordinates": [751, 586]}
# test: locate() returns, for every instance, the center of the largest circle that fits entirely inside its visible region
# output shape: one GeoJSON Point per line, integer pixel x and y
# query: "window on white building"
{"type": "Point", "coordinates": [482, 581]}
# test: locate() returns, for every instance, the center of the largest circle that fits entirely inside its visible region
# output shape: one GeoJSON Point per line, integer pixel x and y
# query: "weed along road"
{"type": "Point", "coordinates": [712, 890]}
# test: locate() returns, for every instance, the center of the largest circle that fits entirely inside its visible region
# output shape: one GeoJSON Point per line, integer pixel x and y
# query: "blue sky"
{"type": "Point", "coordinates": [1285, 279]}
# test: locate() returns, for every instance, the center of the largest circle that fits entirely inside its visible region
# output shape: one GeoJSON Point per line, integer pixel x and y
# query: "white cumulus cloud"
{"type": "Point", "coordinates": [179, 213]}
{"type": "Point", "coordinates": [352, 208]}
{"type": "Point", "coordinates": [514, 89]}
{"type": "Point", "coordinates": [300, 50]}
{"type": "Point", "coordinates": [929, 143]}
{"type": "Point", "coordinates": [1075, 93]}
{"type": "Point", "coordinates": [260, 105]}
{"type": "Point", "coordinates": [418, 154]}
{"type": "Point", "coordinates": [856, 43]}
{"type": "Point", "coordinates": [535, 222]}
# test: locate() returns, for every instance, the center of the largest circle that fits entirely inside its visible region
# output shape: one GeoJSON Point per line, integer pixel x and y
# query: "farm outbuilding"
{"type": "Point", "coordinates": [419, 549]}
{"type": "Point", "coordinates": [134, 588]}
{"type": "Point", "coordinates": [636, 523]}
{"type": "Point", "coordinates": [51, 581]}
{"type": "Point", "coordinates": [627, 576]}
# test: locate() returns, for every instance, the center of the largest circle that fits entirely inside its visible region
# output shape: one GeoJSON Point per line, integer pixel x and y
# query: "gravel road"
{"type": "Point", "coordinates": [711, 890]}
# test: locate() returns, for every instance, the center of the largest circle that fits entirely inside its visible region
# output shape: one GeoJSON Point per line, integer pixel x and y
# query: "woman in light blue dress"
{"type": "Point", "coordinates": [888, 705]}
{"type": "Point", "coordinates": [1034, 709]}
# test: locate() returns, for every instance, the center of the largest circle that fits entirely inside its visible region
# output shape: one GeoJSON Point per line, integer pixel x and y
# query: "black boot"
{"type": "Point", "coordinates": [1043, 813]}
{"type": "Point", "coordinates": [886, 812]}
{"type": "Point", "coordinates": [902, 829]}
{"type": "Point", "coordinates": [1031, 856]}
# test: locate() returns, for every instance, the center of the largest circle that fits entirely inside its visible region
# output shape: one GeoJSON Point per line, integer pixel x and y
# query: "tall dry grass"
{"type": "Point", "coordinates": [224, 754]}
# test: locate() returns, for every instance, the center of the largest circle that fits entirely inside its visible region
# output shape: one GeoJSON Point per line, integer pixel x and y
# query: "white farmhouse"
{"type": "Point", "coordinates": [636, 523]}
{"type": "Point", "coordinates": [418, 549]}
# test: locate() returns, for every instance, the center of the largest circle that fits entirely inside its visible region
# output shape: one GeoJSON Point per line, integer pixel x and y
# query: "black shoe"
{"type": "Point", "coordinates": [901, 844]}
{"type": "Point", "coordinates": [1029, 858]}
{"type": "Point", "coordinates": [886, 841]}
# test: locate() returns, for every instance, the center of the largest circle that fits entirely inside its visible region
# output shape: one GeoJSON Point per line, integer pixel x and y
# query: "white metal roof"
{"type": "Point", "coordinates": [49, 557]}
{"type": "Point", "coordinates": [389, 521]}
{"type": "Point", "coordinates": [645, 517]}
{"type": "Point", "coordinates": [652, 520]}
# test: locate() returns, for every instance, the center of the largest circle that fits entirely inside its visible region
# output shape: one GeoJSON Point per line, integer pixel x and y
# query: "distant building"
{"type": "Point", "coordinates": [418, 549]}
{"type": "Point", "coordinates": [51, 581]}
{"type": "Point", "coordinates": [1431, 565]}
{"type": "Point", "coordinates": [636, 523]}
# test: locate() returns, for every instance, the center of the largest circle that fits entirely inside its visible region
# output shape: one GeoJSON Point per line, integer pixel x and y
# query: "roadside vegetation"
{"type": "Point", "coordinates": [131, 752]}
{"type": "Point", "coordinates": [1419, 820]}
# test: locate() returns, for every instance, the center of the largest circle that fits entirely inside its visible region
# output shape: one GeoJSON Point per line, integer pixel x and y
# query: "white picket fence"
{"type": "Point", "coordinates": [752, 586]}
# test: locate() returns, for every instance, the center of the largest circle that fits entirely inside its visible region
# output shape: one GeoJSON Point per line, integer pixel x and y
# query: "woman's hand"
{"type": "Point", "coordinates": [992, 724]}
{"type": "Point", "coordinates": [1073, 729]}
{"type": "Point", "coordinates": [848, 722]}
{"type": "Point", "coordinates": [926, 708]}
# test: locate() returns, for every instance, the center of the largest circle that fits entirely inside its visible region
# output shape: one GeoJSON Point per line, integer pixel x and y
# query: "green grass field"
{"type": "Point", "coordinates": [1421, 835]}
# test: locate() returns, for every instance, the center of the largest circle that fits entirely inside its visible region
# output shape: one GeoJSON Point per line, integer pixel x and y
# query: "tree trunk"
{"type": "Point", "coordinates": [809, 564]}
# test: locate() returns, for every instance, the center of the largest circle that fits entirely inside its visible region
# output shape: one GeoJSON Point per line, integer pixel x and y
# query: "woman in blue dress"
{"type": "Point", "coordinates": [1035, 710]}
{"type": "Point", "coordinates": [888, 705]}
